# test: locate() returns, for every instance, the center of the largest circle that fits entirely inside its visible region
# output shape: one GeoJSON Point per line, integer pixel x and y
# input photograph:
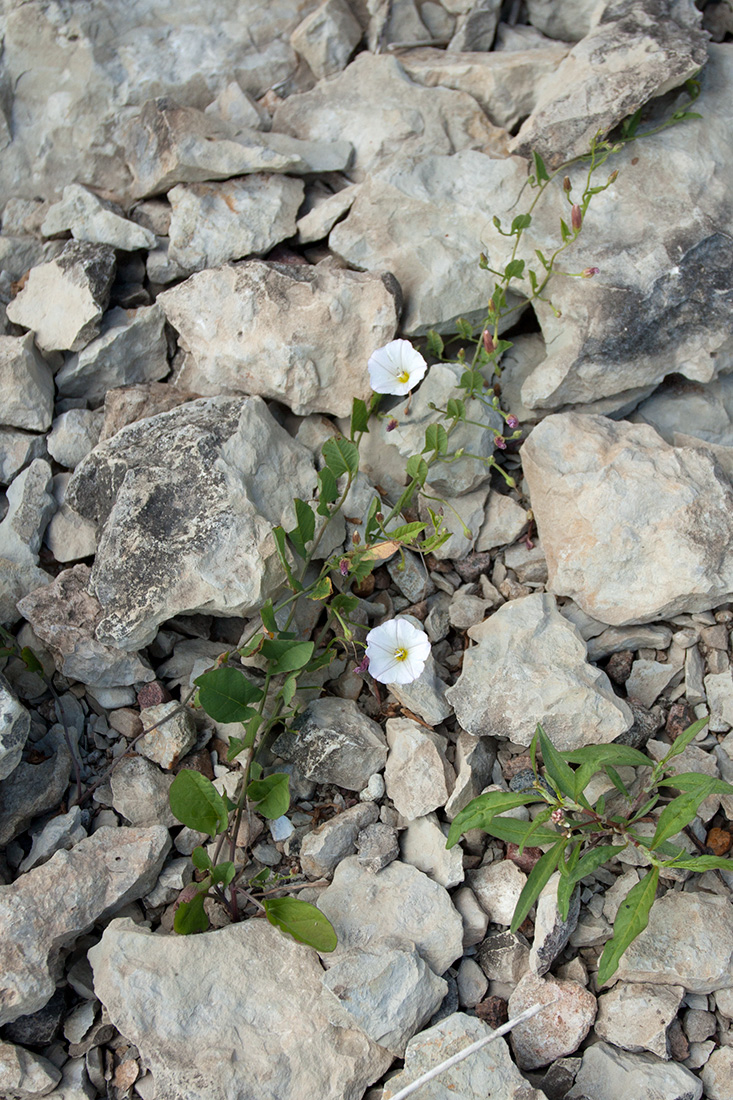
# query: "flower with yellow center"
{"type": "Point", "coordinates": [397, 652]}
{"type": "Point", "coordinates": [396, 368]}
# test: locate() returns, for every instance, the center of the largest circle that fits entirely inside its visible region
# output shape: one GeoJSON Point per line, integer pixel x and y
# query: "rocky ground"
{"type": "Point", "coordinates": [210, 225]}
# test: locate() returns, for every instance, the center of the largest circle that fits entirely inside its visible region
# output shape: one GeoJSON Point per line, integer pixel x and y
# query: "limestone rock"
{"type": "Point", "coordinates": [63, 831]}
{"type": "Point", "coordinates": [131, 348]}
{"type": "Point", "coordinates": [498, 887]}
{"type": "Point", "coordinates": [323, 215]}
{"type": "Point", "coordinates": [636, 1015]}
{"type": "Point", "coordinates": [17, 579]}
{"type": "Point", "coordinates": [396, 117]}
{"type": "Point", "coordinates": [65, 615]}
{"type": "Point", "coordinates": [389, 994]}
{"type": "Point", "coordinates": [312, 354]}
{"type": "Point", "coordinates": [323, 849]}
{"type": "Point", "coordinates": [73, 435]}
{"type": "Point", "coordinates": [489, 1074]}
{"type": "Point", "coordinates": [437, 271]}
{"type": "Point", "coordinates": [504, 957]}
{"type": "Point", "coordinates": [140, 792]}
{"type": "Point", "coordinates": [92, 219]}
{"type": "Point", "coordinates": [417, 775]}
{"type": "Point", "coordinates": [476, 28]}
{"type": "Point", "coordinates": [25, 1075]}
{"type": "Point", "coordinates": [607, 1073]}
{"type": "Point", "coordinates": [422, 844]}
{"type": "Point", "coordinates": [63, 300]}
{"type": "Point", "coordinates": [688, 941]}
{"type": "Point", "coordinates": [504, 688]}
{"type": "Point", "coordinates": [400, 905]}
{"type": "Point", "coordinates": [634, 52]}
{"type": "Point", "coordinates": [215, 222]}
{"type": "Point", "coordinates": [555, 1032]}
{"type": "Point", "coordinates": [130, 403]}
{"type": "Point", "coordinates": [47, 909]}
{"type": "Point", "coordinates": [334, 743]}
{"type": "Point", "coordinates": [377, 846]}
{"type": "Point", "coordinates": [26, 384]}
{"type": "Point", "coordinates": [31, 789]}
{"type": "Point", "coordinates": [68, 536]}
{"type": "Point", "coordinates": [173, 510]}
{"type": "Point", "coordinates": [704, 411]}
{"type": "Point", "coordinates": [277, 1030]}
{"type": "Point", "coordinates": [675, 500]}
{"type": "Point", "coordinates": [18, 450]}
{"type": "Point", "coordinates": [474, 762]}
{"type": "Point", "coordinates": [327, 37]}
{"type": "Point", "coordinates": [717, 1074]}
{"type": "Point", "coordinates": [15, 724]}
{"type": "Point", "coordinates": [504, 521]}
{"type": "Point", "coordinates": [425, 696]}
{"type": "Point", "coordinates": [569, 21]}
{"type": "Point", "coordinates": [551, 932]}
{"type": "Point", "coordinates": [30, 507]}
{"type": "Point", "coordinates": [174, 737]}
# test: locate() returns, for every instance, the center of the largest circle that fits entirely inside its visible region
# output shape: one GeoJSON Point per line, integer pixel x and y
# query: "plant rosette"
{"type": "Point", "coordinates": [397, 652]}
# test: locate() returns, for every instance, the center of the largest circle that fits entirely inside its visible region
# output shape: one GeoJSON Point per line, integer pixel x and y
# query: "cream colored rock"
{"type": "Point", "coordinates": [636, 1015]}
{"type": "Point", "coordinates": [418, 776]}
{"type": "Point", "coordinates": [560, 1029]}
{"type": "Point", "coordinates": [327, 37]}
{"type": "Point", "coordinates": [89, 218]}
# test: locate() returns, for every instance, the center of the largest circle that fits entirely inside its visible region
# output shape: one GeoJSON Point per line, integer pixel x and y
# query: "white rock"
{"type": "Point", "coordinates": [616, 638]}
{"type": "Point", "coordinates": [504, 688]}
{"type": "Point", "coordinates": [63, 301]}
{"type": "Point", "coordinates": [323, 849]}
{"type": "Point", "coordinates": [399, 904]}
{"type": "Point", "coordinates": [417, 775]}
{"type": "Point", "coordinates": [472, 983]}
{"type": "Point", "coordinates": [73, 435]}
{"type": "Point", "coordinates": [30, 507]}
{"type": "Point", "coordinates": [553, 1033]}
{"type": "Point", "coordinates": [140, 793]}
{"type": "Point", "coordinates": [323, 215]}
{"type": "Point", "coordinates": [504, 521]}
{"type": "Point", "coordinates": [475, 920]}
{"type": "Point", "coordinates": [15, 724]}
{"type": "Point", "coordinates": [497, 887]}
{"type": "Point", "coordinates": [631, 480]}
{"type": "Point", "coordinates": [422, 844]}
{"type": "Point", "coordinates": [174, 876]}
{"type": "Point", "coordinates": [388, 994]}
{"type": "Point", "coordinates": [474, 761]}
{"type": "Point", "coordinates": [312, 355]}
{"type": "Point", "coordinates": [327, 37]}
{"type": "Point", "coordinates": [238, 107]}
{"type": "Point", "coordinates": [648, 679]}
{"type": "Point", "coordinates": [68, 536]}
{"type": "Point", "coordinates": [25, 1075]}
{"type": "Point", "coordinates": [717, 1074]}
{"type": "Point", "coordinates": [278, 1032]}
{"type": "Point", "coordinates": [63, 831]}
{"type": "Point", "coordinates": [635, 1016]}
{"type": "Point", "coordinates": [17, 450]}
{"type": "Point", "coordinates": [703, 411]}
{"type": "Point", "coordinates": [570, 21]}
{"type": "Point", "coordinates": [48, 908]}
{"type": "Point", "coordinates": [719, 697]}
{"type": "Point", "coordinates": [174, 736]}
{"type": "Point", "coordinates": [462, 518]}
{"type": "Point", "coordinates": [26, 384]}
{"type": "Point", "coordinates": [607, 1073]}
{"type": "Point", "coordinates": [92, 219]}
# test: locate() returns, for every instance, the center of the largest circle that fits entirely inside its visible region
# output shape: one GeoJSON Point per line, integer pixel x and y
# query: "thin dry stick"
{"type": "Point", "coordinates": [456, 1058]}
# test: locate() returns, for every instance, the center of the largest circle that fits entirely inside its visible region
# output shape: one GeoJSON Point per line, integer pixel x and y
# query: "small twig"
{"type": "Point", "coordinates": [456, 1058]}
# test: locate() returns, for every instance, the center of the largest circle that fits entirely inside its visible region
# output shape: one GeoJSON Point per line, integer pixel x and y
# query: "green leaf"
{"type": "Point", "coordinates": [533, 281]}
{"type": "Point", "coordinates": [540, 171]}
{"type": "Point", "coordinates": [327, 491]}
{"type": "Point", "coordinates": [191, 917]}
{"type": "Point", "coordinates": [341, 457]}
{"type": "Point", "coordinates": [565, 232]}
{"type": "Point", "coordinates": [540, 256]}
{"type": "Point", "coordinates": [464, 328]}
{"type": "Point", "coordinates": [704, 863]}
{"type": "Point", "coordinates": [518, 832]}
{"type": "Point", "coordinates": [456, 409]}
{"type": "Point", "coordinates": [539, 820]}
{"type": "Point", "coordinates": [322, 589]}
{"type": "Point", "coordinates": [631, 919]}
{"type": "Point", "coordinates": [435, 345]}
{"type": "Point", "coordinates": [417, 468]}
{"type": "Point", "coordinates": [618, 755]}
{"type": "Point", "coordinates": [227, 695]}
{"type": "Point", "coordinates": [514, 269]}
{"type": "Point", "coordinates": [407, 532]}
{"type": "Point", "coordinates": [359, 417]}
{"type": "Point", "coordinates": [272, 794]}
{"type": "Point", "coordinates": [201, 859]}
{"type": "Point", "coordinates": [694, 781]}
{"type": "Point", "coordinates": [594, 859]}
{"type": "Point", "coordinates": [195, 802]}
{"type": "Point", "coordinates": [287, 654]}
{"type": "Point", "coordinates": [305, 527]}
{"type": "Point", "coordinates": [555, 766]}
{"type": "Point", "coordinates": [280, 545]}
{"type": "Point", "coordinates": [267, 614]}
{"type": "Point", "coordinates": [30, 660]}
{"type": "Point", "coordinates": [480, 811]}
{"type": "Point", "coordinates": [673, 818]}
{"type": "Point", "coordinates": [538, 878]}
{"type": "Point", "coordinates": [223, 873]}
{"type": "Point", "coordinates": [287, 691]}
{"type": "Point", "coordinates": [617, 781]}
{"type": "Point", "coordinates": [302, 921]}
{"type": "Point", "coordinates": [565, 888]}
{"type": "Point", "coordinates": [436, 439]}
{"type": "Point", "coordinates": [472, 381]}
{"type": "Point", "coordinates": [522, 221]}
{"type": "Point", "coordinates": [686, 738]}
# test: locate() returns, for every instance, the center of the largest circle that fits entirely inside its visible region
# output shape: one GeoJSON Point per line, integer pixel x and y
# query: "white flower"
{"type": "Point", "coordinates": [397, 652]}
{"type": "Point", "coordinates": [396, 368]}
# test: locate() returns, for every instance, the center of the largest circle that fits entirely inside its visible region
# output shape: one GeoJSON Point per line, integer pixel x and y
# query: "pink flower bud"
{"type": "Point", "coordinates": [362, 668]}
{"type": "Point", "coordinates": [589, 272]}
{"type": "Point", "coordinates": [512, 422]}
{"type": "Point", "coordinates": [566, 184]}
{"type": "Point", "coordinates": [500, 442]}
{"type": "Point", "coordinates": [557, 817]}
{"type": "Point", "coordinates": [576, 217]}
{"type": "Point", "coordinates": [392, 425]}
{"type": "Point", "coordinates": [344, 567]}
{"type": "Point", "coordinates": [488, 342]}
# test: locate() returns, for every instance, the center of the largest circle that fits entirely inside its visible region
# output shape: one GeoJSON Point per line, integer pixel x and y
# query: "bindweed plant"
{"type": "Point", "coordinates": [580, 835]}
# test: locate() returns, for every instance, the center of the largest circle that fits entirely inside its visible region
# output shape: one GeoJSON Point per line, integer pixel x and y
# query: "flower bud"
{"type": "Point", "coordinates": [512, 422]}
{"type": "Point", "coordinates": [614, 176]}
{"type": "Point", "coordinates": [392, 425]}
{"type": "Point", "coordinates": [344, 567]}
{"type": "Point", "coordinates": [500, 442]}
{"type": "Point", "coordinates": [379, 517]}
{"type": "Point", "coordinates": [488, 342]}
{"type": "Point", "coordinates": [566, 184]}
{"type": "Point", "coordinates": [589, 272]}
{"type": "Point", "coordinates": [362, 668]}
{"type": "Point", "coordinates": [356, 538]}
{"type": "Point", "coordinates": [576, 217]}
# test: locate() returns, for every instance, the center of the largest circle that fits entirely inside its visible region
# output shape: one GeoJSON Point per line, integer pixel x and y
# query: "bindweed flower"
{"type": "Point", "coordinates": [397, 652]}
{"type": "Point", "coordinates": [396, 368]}
{"type": "Point", "coordinates": [512, 422]}
{"type": "Point", "coordinates": [589, 272]}
{"type": "Point", "coordinates": [576, 217]}
{"type": "Point", "coordinates": [500, 442]}
{"type": "Point", "coordinates": [392, 425]}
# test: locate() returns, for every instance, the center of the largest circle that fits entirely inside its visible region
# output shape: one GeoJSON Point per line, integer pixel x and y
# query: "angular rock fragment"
{"type": "Point", "coordinates": [140, 792]}
{"type": "Point", "coordinates": [422, 844]}
{"type": "Point", "coordinates": [418, 776]}
{"type": "Point", "coordinates": [636, 1015]}
{"type": "Point", "coordinates": [498, 887]}
{"type": "Point", "coordinates": [529, 666]}
{"type": "Point", "coordinates": [174, 736]}
{"type": "Point", "coordinates": [323, 849]}
{"type": "Point", "coordinates": [334, 743]}
{"type": "Point", "coordinates": [73, 435]}
{"type": "Point", "coordinates": [302, 335]}
{"type": "Point", "coordinates": [323, 215]}
{"type": "Point", "coordinates": [289, 1040]}
{"type": "Point", "coordinates": [551, 932]}
{"type": "Point", "coordinates": [15, 724]}
{"type": "Point", "coordinates": [31, 789]}
{"type": "Point", "coordinates": [607, 1073]}
{"type": "Point", "coordinates": [68, 536]}
{"type": "Point", "coordinates": [187, 500]}
{"type": "Point", "coordinates": [476, 28]}
{"type": "Point", "coordinates": [559, 1029]}
{"type": "Point", "coordinates": [47, 909]}
{"type": "Point", "coordinates": [327, 37]}
{"type": "Point", "coordinates": [63, 301]}
{"type": "Point", "coordinates": [605, 492]}
{"type": "Point", "coordinates": [30, 506]}
{"type": "Point", "coordinates": [25, 1075]}
{"type": "Point", "coordinates": [130, 403]}
{"type": "Point", "coordinates": [569, 21]}
{"type": "Point", "coordinates": [26, 385]}
{"type": "Point", "coordinates": [18, 450]}
{"type": "Point", "coordinates": [92, 219]}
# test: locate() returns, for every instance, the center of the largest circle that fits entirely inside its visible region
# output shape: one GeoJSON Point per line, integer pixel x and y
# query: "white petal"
{"type": "Point", "coordinates": [387, 364]}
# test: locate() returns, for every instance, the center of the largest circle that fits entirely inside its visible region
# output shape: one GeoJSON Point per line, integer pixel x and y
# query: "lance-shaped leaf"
{"type": "Point", "coordinates": [704, 863]}
{"type": "Point", "coordinates": [589, 863]}
{"type": "Point", "coordinates": [302, 921]}
{"type": "Point", "coordinates": [519, 832]}
{"type": "Point", "coordinates": [686, 738]}
{"type": "Point", "coordinates": [480, 811]}
{"type": "Point", "coordinates": [673, 818]}
{"type": "Point", "coordinates": [695, 781]}
{"type": "Point", "coordinates": [536, 882]}
{"type": "Point", "coordinates": [616, 755]}
{"type": "Point", "coordinates": [556, 768]}
{"type": "Point", "coordinates": [631, 919]}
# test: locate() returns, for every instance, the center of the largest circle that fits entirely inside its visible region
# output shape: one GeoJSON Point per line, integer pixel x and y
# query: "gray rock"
{"type": "Point", "coordinates": [396, 117]}
{"type": "Point", "coordinates": [389, 994]}
{"type": "Point", "coordinates": [704, 411]}
{"type": "Point", "coordinates": [312, 355]}
{"type": "Point", "coordinates": [15, 724]}
{"type": "Point", "coordinates": [215, 222]}
{"type": "Point", "coordinates": [400, 905]}
{"type": "Point", "coordinates": [417, 775]}
{"type": "Point", "coordinates": [279, 1031]}
{"type": "Point", "coordinates": [719, 697]}
{"type": "Point", "coordinates": [437, 272]}
{"type": "Point", "coordinates": [63, 301]}
{"type": "Point", "coordinates": [472, 983]}
{"type": "Point", "coordinates": [323, 215]}
{"type": "Point", "coordinates": [551, 932]}
{"type": "Point", "coordinates": [131, 348]}
{"type": "Point", "coordinates": [65, 615]}
{"type": "Point", "coordinates": [717, 1074]}
{"type": "Point", "coordinates": [238, 107]}
{"type": "Point", "coordinates": [75, 1083]}
{"type": "Point", "coordinates": [618, 638]}
{"type": "Point", "coordinates": [635, 1016]}
{"type": "Point", "coordinates": [504, 688]}
{"type": "Point", "coordinates": [327, 37]}
{"type": "Point", "coordinates": [648, 679]}
{"type": "Point", "coordinates": [17, 579]}
{"type": "Point", "coordinates": [425, 696]}
{"type": "Point", "coordinates": [30, 506]}
{"type": "Point", "coordinates": [323, 849]}
{"type": "Point", "coordinates": [476, 29]}
{"type": "Point", "coordinates": [474, 761]}
{"type": "Point", "coordinates": [570, 21]}
{"type": "Point", "coordinates": [47, 909]}
{"type": "Point", "coordinates": [26, 385]}
{"type": "Point", "coordinates": [68, 536]}
{"type": "Point", "coordinates": [422, 844]}
{"type": "Point", "coordinates": [62, 832]}
{"type": "Point", "coordinates": [475, 920]}
{"type": "Point", "coordinates": [174, 736]}
{"type": "Point", "coordinates": [489, 1074]}
{"type": "Point", "coordinates": [688, 941]}
{"type": "Point", "coordinates": [173, 510]}
{"type": "Point", "coordinates": [504, 957]}
{"type": "Point", "coordinates": [18, 450]}
{"type": "Point", "coordinates": [173, 878]}
{"type": "Point", "coordinates": [410, 575]}
{"type": "Point", "coordinates": [334, 743]}
{"type": "Point", "coordinates": [73, 435]}
{"type": "Point", "coordinates": [377, 847]}
{"type": "Point", "coordinates": [632, 54]}
{"type": "Point", "coordinates": [607, 1073]}
{"type": "Point", "coordinates": [498, 886]}
{"type": "Point", "coordinates": [25, 1075]}
{"type": "Point", "coordinates": [462, 518]}
{"type": "Point", "coordinates": [140, 793]}
{"type": "Point", "coordinates": [92, 219]}
{"type": "Point", "coordinates": [550, 1035]}
{"type": "Point", "coordinates": [677, 560]}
